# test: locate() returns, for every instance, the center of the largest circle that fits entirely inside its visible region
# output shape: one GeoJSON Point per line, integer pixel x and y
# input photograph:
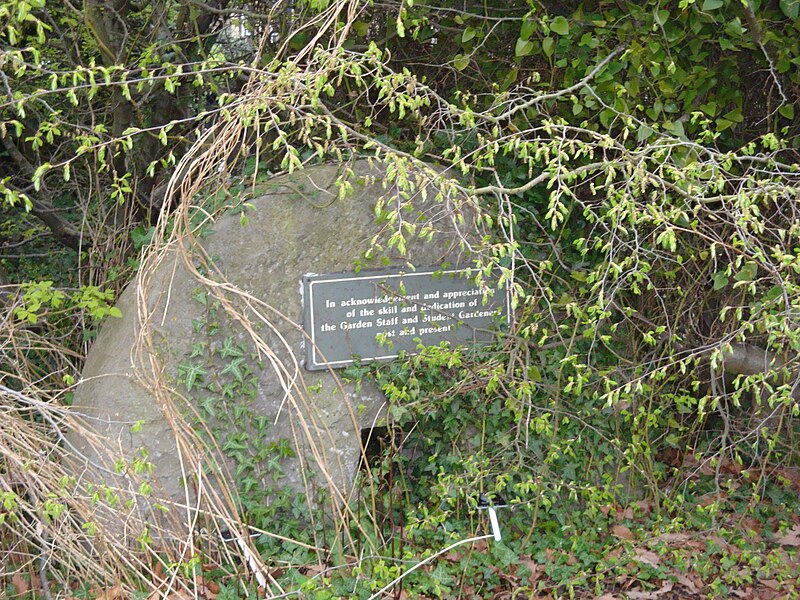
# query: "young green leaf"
{"type": "Point", "coordinates": [560, 25]}
{"type": "Point", "coordinates": [791, 8]}
{"type": "Point", "coordinates": [460, 61]}
{"type": "Point", "coordinates": [548, 45]}
{"type": "Point", "coordinates": [523, 47]}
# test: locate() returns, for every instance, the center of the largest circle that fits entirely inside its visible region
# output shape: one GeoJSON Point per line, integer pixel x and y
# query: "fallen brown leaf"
{"type": "Point", "coordinates": [20, 583]}
{"type": "Point", "coordinates": [113, 593]}
{"type": "Point", "coordinates": [667, 587]}
{"type": "Point", "coordinates": [212, 585]}
{"type": "Point", "coordinates": [669, 456]}
{"type": "Point", "coordinates": [615, 553]}
{"type": "Point", "coordinates": [621, 531]}
{"type": "Point", "coordinates": [731, 467]}
{"type": "Point", "coordinates": [674, 538]}
{"type": "Point", "coordinates": [647, 557]}
{"type": "Point", "coordinates": [768, 594]}
{"type": "Point", "coordinates": [453, 556]}
{"type": "Point", "coordinates": [688, 584]}
{"type": "Point", "coordinates": [36, 584]}
{"type": "Point", "coordinates": [772, 584]}
{"type": "Point", "coordinates": [315, 569]}
{"type": "Point", "coordinates": [750, 524]}
{"type": "Point", "coordinates": [790, 538]}
{"type": "Point", "coordinates": [173, 595]}
{"type": "Point", "coordinates": [681, 540]}
{"type": "Point", "coordinates": [514, 581]}
{"type": "Point", "coordinates": [206, 588]}
{"type": "Point", "coordinates": [707, 469]}
{"type": "Point", "coordinates": [205, 592]}
{"type": "Point", "coordinates": [792, 474]}
{"type": "Point", "coordinates": [721, 542]}
{"type": "Point", "coordinates": [535, 568]}
{"type": "Point", "coordinates": [711, 498]}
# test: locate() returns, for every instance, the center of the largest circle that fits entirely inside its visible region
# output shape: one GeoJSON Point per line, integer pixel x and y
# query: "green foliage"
{"type": "Point", "coordinates": [634, 166]}
{"type": "Point", "coordinates": [40, 298]}
{"type": "Point", "coordinates": [220, 376]}
{"type": "Point", "coordinates": [569, 516]}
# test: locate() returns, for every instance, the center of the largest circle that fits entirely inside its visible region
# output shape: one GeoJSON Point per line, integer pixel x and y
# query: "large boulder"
{"type": "Point", "coordinates": [209, 360]}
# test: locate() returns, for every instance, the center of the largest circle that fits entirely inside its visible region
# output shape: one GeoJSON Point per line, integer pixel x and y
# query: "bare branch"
{"type": "Point", "coordinates": [42, 207]}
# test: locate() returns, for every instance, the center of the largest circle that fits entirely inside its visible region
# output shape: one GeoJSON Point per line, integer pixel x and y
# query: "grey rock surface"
{"type": "Point", "coordinates": [298, 226]}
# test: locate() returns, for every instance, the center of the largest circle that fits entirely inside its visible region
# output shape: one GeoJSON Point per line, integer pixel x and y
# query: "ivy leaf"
{"type": "Point", "coordinates": [723, 124]}
{"type": "Point", "coordinates": [675, 128]}
{"type": "Point", "coordinates": [548, 45]}
{"type": "Point", "coordinates": [526, 30]}
{"type": "Point", "coordinates": [643, 133]}
{"type": "Point", "coordinates": [560, 25]}
{"type": "Point", "coordinates": [747, 272]}
{"type": "Point", "coordinates": [510, 78]}
{"type": "Point", "coordinates": [460, 62]}
{"type": "Point", "coordinates": [229, 390]}
{"type": "Point", "coordinates": [787, 111]}
{"type": "Point", "coordinates": [578, 275]}
{"type": "Point", "coordinates": [735, 115]}
{"type": "Point", "coordinates": [720, 280]}
{"type": "Point", "coordinates": [209, 406]}
{"type": "Point", "coordinates": [468, 34]}
{"type": "Point", "coordinates": [230, 349]}
{"type": "Point", "coordinates": [712, 4]}
{"type": "Point", "coordinates": [710, 108]}
{"type": "Point", "coordinates": [141, 237]}
{"type": "Point", "coordinates": [234, 368]}
{"type": "Point", "coordinates": [192, 373]}
{"type": "Point", "coordinates": [774, 293]}
{"type": "Point", "coordinates": [523, 47]}
{"type": "Point", "coordinates": [791, 8]}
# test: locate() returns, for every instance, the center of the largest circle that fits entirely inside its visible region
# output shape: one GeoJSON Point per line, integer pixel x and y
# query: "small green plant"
{"type": "Point", "coordinates": [41, 297]}
{"type": "Point", "coordinates": [222, 378]}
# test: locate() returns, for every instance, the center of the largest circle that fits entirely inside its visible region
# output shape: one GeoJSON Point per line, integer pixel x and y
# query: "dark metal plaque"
{"type": "Point", "coordinates": [377, 314]}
